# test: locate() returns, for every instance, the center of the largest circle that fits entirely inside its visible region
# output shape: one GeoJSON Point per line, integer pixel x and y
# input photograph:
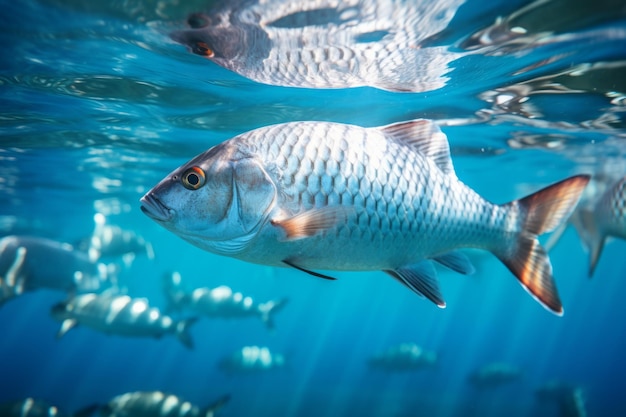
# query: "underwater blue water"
{"type": "Point", "coordinates": [98, 104]}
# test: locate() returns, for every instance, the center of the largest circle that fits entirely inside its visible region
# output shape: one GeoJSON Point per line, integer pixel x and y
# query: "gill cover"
{"type": "Point", "coordinates": [241, 196]}
{"type": "Point", "coordinates": [255, 193]}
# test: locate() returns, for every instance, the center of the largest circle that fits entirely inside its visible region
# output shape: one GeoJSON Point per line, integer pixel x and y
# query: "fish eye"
{"type": "Point", "coordinates": [193, 178]}
{"type": "Point", "coordinates": [201, 48]}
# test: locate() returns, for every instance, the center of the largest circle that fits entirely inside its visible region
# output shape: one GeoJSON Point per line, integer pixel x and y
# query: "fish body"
{"type": "Point", "coordinates": [495, 374]}
{"type": "Point", "coordinates": [252, 359]}
{"type": "Point", "coordinates": [121, 315]}
{"type": "Point", "coordinates": [319, 195]}
{"type": "Point", "coordinates": [220, 302]}
{"type": "Point", "coordinates": [569, 398]}
{"type": "Point", "coordinates": [326, 44]}
{"type": "Point", "coordinates": [110, 241]}
{"type": "Point", "coordinates": [30, 407]}
{"type": "Point", "coordinates": [28, 263]}
{"type": "Point", "coordinates": [604, 218]}
{"type": "Point", "coordinates": [157, 404]}
{"type": "Point", "coordinates": [404, 357]}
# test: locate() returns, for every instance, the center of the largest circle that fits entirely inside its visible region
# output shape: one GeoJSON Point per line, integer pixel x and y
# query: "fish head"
{"type": "Point", "coordinates": [218, 201]}
{"type": "Point", "coordinates": [227, 39]}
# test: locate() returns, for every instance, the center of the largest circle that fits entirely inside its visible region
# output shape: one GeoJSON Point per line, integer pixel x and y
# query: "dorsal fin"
{"type": "Point", "coordinates": [425, 137]}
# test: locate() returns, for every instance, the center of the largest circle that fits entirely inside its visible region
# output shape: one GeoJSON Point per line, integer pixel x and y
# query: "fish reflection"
{"type": "Point", "coordinates": [316, 195]}
{"type": "Point", "coordinates": [28, 263]}
{"type": "Point", "coordinates": [541, 22]}
{"type": "Point", "coordinates": [605, 78]}
{"type": "Point", "coordinates": [220, 302]}
{"type": "Point", "coordinates": [326, 44]}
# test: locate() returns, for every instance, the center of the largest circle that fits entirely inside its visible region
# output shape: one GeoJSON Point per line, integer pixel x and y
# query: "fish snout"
{"type": "Point", "coordinates": [155, 209]}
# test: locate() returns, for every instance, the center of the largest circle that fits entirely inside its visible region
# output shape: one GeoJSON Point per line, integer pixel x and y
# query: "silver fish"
{"type": "Point", "coordinates": [327, 44]}
{"type": "Point", "coordinates": [28, 263]}
{"type": "Point", "coordinates": [495, 374]}
{"type": "Point", "coordinates": [404, 357]}
{"type": "Point", "coordinates": [121, 315]}
{"type": "Point", "coordinates": [602, 219]}
{"type": "Point", "coordinates": [220, 302]}
{"type": "Point", "coordinates": [157, 404]}
{"type": "Point", "coordinates": [318, 195]}
{"type": "Point", "coordinates": [252, 359]}
{"type": "Point", "coordinates": [569, 398]}
{"type": "Point", "coordinates": [110, 241]}
{"type": "Point", "coordinates": [30, 407]}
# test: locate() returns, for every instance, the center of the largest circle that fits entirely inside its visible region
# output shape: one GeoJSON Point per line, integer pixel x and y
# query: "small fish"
{"type": "Point", "coordinates": [110, 241]}
{"type": "Point", "coordinates": [220, 302]}
{"type": "Point", "coordinates": [30, 407]}
{"type": "Point", "coordinates": [495, 374]}
{"type": "Point", "coordinates": [327, 44]}
{"type": "Point", "coordinates": [605, 218]}
{"type": "Point", "coordinates": [157, 404]}
{"type": "Point", "coordinates": [569, 398]}
{"type": "Point", "coordinates": [404, 357]}
{"type": "Point", "coordinates": [119, 314]}
{"type": "Point", "coordinates": [330, 196]}
{"type": "Point", "coordinates": [28, 263]}
{"type": "Point", "coordinates": [252, 359]}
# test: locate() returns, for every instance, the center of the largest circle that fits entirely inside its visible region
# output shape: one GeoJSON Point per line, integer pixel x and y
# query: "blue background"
{"type": "Point", "coordinates": [97, 105]}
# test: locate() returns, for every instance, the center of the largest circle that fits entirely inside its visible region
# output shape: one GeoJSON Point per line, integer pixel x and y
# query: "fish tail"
{"type": "Point", "coordinates": [540, 213]}
{"type": "Point", "coordinates": [182, 331]}
{"type": "Point", "coordinates": [268, 310]}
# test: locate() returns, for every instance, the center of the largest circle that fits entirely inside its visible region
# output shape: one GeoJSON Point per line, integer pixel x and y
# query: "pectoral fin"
{"type": "Point", "coordinates": [312, 222]}
{"type": "Point", "coordinates": [315, 274]}
{"type": "Point", "coordinates": [421, 278]}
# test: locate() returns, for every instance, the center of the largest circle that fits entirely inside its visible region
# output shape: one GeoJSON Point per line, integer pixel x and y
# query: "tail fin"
{"type": "Point", "coordinates": [541, 212]}
{"type": "Point", "coordinates": [182, 331]}
{"type": "Point", "coordinates": [268, 310]}
{"type": "Point", "coordinates": [210, 410]}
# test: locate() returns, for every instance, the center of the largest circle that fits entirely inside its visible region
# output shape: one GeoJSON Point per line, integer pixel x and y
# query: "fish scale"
{"type": "Point", "coordinates": [330, 196]}
{"type": "Point", "coordinates": [361, 179]}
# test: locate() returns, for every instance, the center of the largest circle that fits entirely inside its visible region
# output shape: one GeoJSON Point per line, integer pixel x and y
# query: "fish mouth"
{"type": "Point", "coordinates": [155, 209]}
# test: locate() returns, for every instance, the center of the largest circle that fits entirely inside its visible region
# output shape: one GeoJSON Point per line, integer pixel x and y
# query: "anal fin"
{"type": "Point", "coordinates": [456, 261]}
{"type": "Point", "coordinates": [421, 278]}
